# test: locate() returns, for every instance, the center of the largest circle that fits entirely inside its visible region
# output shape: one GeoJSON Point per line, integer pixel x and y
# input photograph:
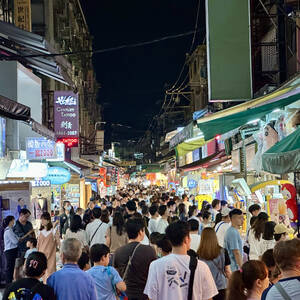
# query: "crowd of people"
{"type": "Point", "coordinates": [150, 244]}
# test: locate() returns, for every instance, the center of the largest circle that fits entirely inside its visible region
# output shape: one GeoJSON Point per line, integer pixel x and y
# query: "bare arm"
{"type": "Point", "coordinates": [238, 257]}
{"type": "Point", "coordinates": [227, 271]}
{"type": "Point", "coordinates": [107, 237]}
{"type": "Point", "coordinates": [121, 286]}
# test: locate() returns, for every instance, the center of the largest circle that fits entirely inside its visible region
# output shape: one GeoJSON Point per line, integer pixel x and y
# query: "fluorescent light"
{"type": "Point", "coordinates": [254, 121]}
{"type": "Point", "coordinates": [276, 110]}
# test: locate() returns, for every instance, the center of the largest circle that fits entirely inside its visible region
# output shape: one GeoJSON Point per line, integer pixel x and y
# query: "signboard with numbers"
{"type": "Point", "coordinates": [40, 148]}
{"type": "Point", "coordinates": [66, 115]}
{"type": "Point", "coordinates": [22, 14]}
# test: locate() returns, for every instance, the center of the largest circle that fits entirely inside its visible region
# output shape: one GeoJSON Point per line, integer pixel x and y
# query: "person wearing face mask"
{"type": "Point", "coordinates": [249, 282]}
{"type": "Point", "coordinates": [65, 218]}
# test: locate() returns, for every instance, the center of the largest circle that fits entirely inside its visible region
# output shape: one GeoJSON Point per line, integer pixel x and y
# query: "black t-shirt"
{"type": "Point", "coordinates": [20, 230]}
{"type": "Point", "coordinates": [138, 271]}
{"type": "Point", "coordinates": [46, 292]}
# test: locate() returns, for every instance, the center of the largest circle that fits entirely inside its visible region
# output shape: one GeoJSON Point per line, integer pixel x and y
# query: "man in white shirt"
{"type": "Point", "coordinates": [169, 277]}
{"type": "Point", "coordinates": [162, 223]}
{"type": "Point", "coordinates": [222, 226]}
{"type": "Point", "coordinates": [194, 234]}
{"type": "Point", "coordinates": [216, 206]}
{"type": "Point", "coordinates": [96, 231]}
{"type": "Point", "coordinates": [154, 219]}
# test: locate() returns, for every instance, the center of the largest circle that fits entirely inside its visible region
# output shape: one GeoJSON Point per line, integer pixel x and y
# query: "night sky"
{"type": "Point", "coordinates": [133, 80]}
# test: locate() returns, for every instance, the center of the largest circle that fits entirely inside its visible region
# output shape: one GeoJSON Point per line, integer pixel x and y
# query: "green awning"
{"type": "Point", "coordinates": [283, 157]}
{"type": "Point", "coordinates": [224, 124]}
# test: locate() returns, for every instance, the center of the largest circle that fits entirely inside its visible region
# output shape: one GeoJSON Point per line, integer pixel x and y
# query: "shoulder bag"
{"type": "Point", "coordinates": [192, 267]}
{"type": "Point", "coordinates": [129, 261]}
{"type": "Point", "coordinates": [95, 232]}
{"type": "Point", "coordinates": [282, 291]}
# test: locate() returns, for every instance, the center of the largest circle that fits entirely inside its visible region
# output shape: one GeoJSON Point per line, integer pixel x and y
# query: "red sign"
{"type": "Point", "coordinates": [69, 143]}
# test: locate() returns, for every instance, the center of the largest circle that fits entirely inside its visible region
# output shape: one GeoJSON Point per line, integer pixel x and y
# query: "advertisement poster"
{"type": "Point", "coordinates": [13, 201]}
{"type": "Point", "coordinates": [40, 148]}
{"type": "Point", "coordinates": [278, 211]}
{"type": "Point", "coordinates": [66, 114]}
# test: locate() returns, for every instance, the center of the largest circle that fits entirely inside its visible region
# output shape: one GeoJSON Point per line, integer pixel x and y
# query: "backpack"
{"type": "Point", "coordinates": [25, 294]}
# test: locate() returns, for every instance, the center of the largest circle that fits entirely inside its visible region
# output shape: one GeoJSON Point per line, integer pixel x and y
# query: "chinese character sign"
{"type": "Point", "coordinates": [40, 148]}
{"type": "Point", "coordinates": [66, 116]}
{"type": "Point", "coordinates": [22, 14]}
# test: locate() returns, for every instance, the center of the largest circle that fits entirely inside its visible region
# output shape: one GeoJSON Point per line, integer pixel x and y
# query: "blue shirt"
{"type": "Point", "coordinates": [71, 283]}
{"type": "Point", "coordinates": [11, 241]}
{"type": "Point", "coordinates": [105, 278]}
{"type": "Point", "coordinates": [233, 241]}
{"type": "Point", "coordinates": [29, 251]}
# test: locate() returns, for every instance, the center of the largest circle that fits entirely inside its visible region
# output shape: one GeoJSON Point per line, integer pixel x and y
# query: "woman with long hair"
{"type": "Point", "coordinates": [268, 241]}
{"type": "Point", "coordinates": [255, 235]}
{"type": "Point", "coordinates": [216, 258]}
{"type": "Point", "coordinates": [249, 282]}
{"type": "Point", "coordinates": [182, 212]}
{"type": "Point", "coordinates": [75, 231]}
{"type": "Point", "coordinates": [48, 241]}
{"type": "Point", "coordinates": [105, 216]}
{"type": "Point", "coordinates": [116, 236]}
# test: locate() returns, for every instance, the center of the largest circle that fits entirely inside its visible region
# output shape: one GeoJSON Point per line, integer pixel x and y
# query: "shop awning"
{"type": "Point", "coordinates": [14, 110]}
{"type": "Point", "coordinates": [283, 157]}
{"type": "Point", "coordinates": [241, 115]}
{"type": "Point", "coordinates": [190, 145]}
{"type": "Point", "coordinates": [65, 165]}
{"type": "Point", "coordinates": [18, 44]}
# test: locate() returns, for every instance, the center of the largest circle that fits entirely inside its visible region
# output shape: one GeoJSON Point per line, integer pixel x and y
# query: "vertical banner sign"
{"type": "Point", "coordinates": [66, 115]}
{"type": "Point", "coordinates": [22, 14]}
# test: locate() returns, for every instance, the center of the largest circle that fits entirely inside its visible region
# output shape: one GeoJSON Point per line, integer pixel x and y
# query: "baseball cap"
{"type": "Point", "coordinates": [225, 211]}
{"type": "Point", "coordinates": [281, 228]}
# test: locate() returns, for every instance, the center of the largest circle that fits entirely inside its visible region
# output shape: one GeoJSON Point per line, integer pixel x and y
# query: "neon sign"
{"type": "Point", "coordinates": [69, 143]}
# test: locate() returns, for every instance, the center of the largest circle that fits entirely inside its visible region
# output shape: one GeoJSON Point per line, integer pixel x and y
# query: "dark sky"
{"type": "Point", "coordinates": [133, 80]}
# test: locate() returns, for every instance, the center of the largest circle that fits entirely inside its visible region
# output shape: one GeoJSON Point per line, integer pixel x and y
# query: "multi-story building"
{"type": "Point", "coordinates": [63, 27]}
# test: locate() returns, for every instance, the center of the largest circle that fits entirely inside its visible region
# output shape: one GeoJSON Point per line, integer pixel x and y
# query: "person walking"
{"type": "Point", "coordinates": [116, 235]}
{"type": "Point", "coordinates": [75, 231]}
{"type": "Point", "coordinates": [132, 260]}
{"type": "Point", "coordinates": [153, 219]}
{"type": "Point", "coordinates": [217, 260]}
{"type": "Point", "coordinates": [24, 230]}
{"type": "Point", "coordinates": [70, 282]}
{"type": "Point", "coordinates": [170, 276]}
{"type": "Point", "coordinates": [223, 225]}
{"type": "Point", "coordinates": [107, 279]}
{"type": "Point", "coordinates": [232, 241]}
{"type": "Point", "coordinates": [162, 223]}
{"type": "Point", "coordinates": [255, 235]}
{"type": "Point", "coordinates": [96, 230]}
{"type": "Point", "coordinates": [65, 218]}
{"type": "Point", "coordinates": [287, 258]}
{"type": "Point", "coordinates": [249, 282]}
{"type": "Point", "coordinates": [268, 241]}
{"type": "Point", "coordinates": [48, 241]}
{"type": "Point", "coordinates": [11, 242]}
{"type": "Point", "coordinates": [35, 267]}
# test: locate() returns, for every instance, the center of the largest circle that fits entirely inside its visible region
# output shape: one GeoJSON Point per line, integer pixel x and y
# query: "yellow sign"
{"type": "Point", "coordinates": [128, 163]}
{"type": "Point", "coordinates": [22, 14]}
{"type": "Point", "coordinates": [201, 198]}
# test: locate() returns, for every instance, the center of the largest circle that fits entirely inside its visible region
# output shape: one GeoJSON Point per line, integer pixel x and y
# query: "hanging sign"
{"type": "Point", "coordinates": [66, 114]}
{"type": "Point", "coordinates": [40, 148]}
{"type": "Point", "coordinates": [22, 14]}
{"type": "Point", "coordinates": [192, 184]}
{"type": "Point", "coordinates": [58, 175]}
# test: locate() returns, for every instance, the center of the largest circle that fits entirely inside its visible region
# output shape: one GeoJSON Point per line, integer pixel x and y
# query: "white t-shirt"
{"type": "Point", "coordinates": [266, 245]}
{"type": "Point", "coordinates": [221, 229]}
{"type": "Point", "coordinates": [195, 241]}
{"type": "Point", "coordinates": [254, 245]}
{"type": "Point", "coordinates": [162, 225]}
{"type": "Point", "coordinates": [168, 278]}
{"type": "Point", "coordinates": [99, 237]}
{"type": "Point", "coordinates": [152, 225]}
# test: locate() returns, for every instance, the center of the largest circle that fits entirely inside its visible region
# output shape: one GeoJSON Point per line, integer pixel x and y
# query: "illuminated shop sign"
{"type": "Point", "coordinates": [40, 148]}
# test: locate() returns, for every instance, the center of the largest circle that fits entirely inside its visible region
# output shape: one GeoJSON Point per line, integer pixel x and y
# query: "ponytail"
{"type": "Point", "coordinates": [242, 282]}
{"type": "Point", "coordinates": [236, 287]}
{"type": "Point", "coordinates": [7, 220]}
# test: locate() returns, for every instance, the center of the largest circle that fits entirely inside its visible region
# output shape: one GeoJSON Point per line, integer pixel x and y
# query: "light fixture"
{"type": "Point", "coordinates": [253, 121]}
{"type": "Point", "coordinates": [276, 110]}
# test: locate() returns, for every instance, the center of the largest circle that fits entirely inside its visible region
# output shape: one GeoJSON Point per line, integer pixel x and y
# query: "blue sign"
{"type": "Point", "coordinates": [192, 184]}
{"type": "Point", "coordinates": [40, 148]}
{"type": "Point", "coordinates": [58, 175]}
{"type": "Point", "coordinates": [196, 155]}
